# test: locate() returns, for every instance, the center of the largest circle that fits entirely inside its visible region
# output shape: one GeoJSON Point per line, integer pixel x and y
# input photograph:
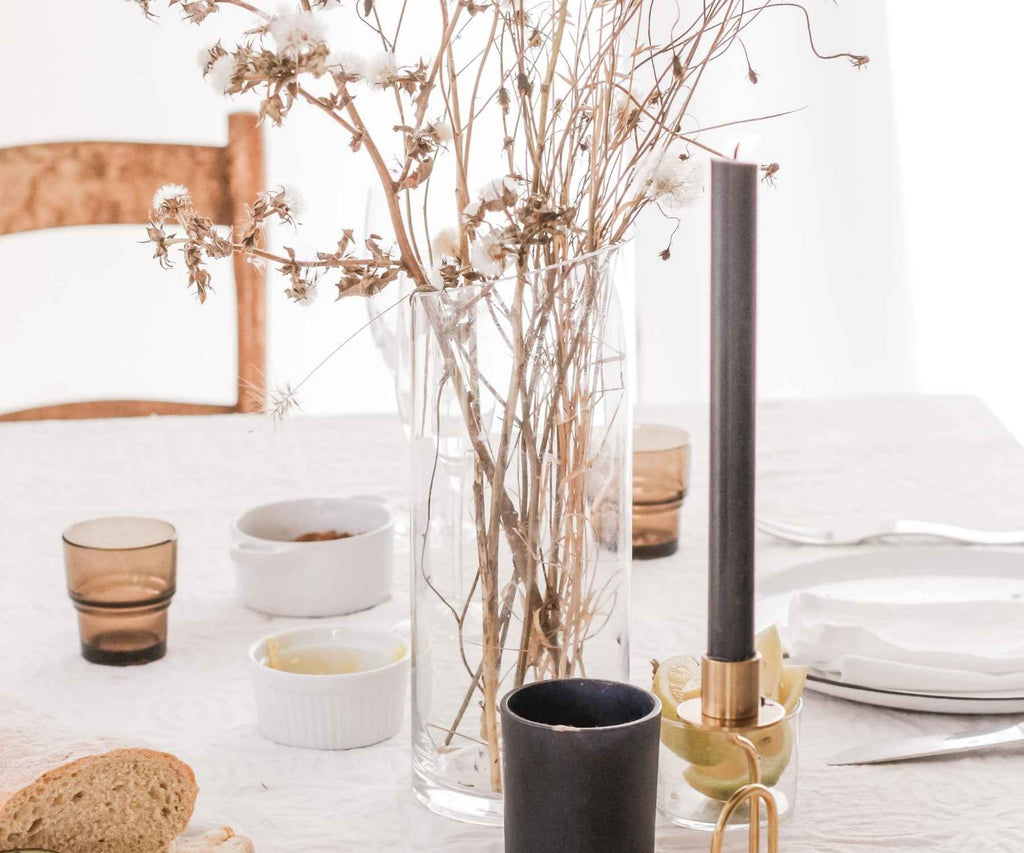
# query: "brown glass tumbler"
{"type": "Point", "coordinates": [121, 575]}
{"type": "Point", "coordinates": [661, 477]}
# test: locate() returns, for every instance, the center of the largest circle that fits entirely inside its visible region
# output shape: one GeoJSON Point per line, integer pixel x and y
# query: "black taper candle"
{"type": "Point", "coordinates": [733, 321]}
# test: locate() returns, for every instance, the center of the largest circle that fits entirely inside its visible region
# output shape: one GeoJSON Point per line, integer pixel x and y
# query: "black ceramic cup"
{"type": "Point", "coordinates": [581, 767]}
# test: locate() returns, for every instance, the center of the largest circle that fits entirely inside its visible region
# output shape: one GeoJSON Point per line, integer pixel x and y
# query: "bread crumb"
{"type": "Point", "coordinates": [221, 840]}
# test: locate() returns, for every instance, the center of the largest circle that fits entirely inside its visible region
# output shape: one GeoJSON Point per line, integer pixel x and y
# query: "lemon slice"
{"type": "Point", "coordinates": [676, 680]}
{"type": "Point", "coordinates": [769, 644]}
{"type": "Point", "coordinates": [791, 688]}
{"type": "Point", "coordinates": [724, 779]}
{"type": "Point", "coordinates": [716, 767]}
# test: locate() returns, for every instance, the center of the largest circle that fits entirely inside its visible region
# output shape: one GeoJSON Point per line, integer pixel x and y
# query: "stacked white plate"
{"type": "Point", "coordinates": [909, 577]}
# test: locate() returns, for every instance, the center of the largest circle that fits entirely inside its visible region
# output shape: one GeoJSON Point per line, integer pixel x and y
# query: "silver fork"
{"type": "Point", "coordinates": [857, 535]}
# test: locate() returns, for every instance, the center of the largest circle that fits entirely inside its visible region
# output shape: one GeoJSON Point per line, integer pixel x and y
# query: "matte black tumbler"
{"type": "Point", "coordinates": [581, 767]}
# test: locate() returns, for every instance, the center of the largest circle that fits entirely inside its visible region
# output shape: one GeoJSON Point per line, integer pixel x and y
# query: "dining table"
{"type": "Point", "coordinates": [819, 462]}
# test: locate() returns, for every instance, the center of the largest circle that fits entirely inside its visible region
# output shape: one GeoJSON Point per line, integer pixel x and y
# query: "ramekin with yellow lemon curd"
{"type": "Point", "coordinates": [326, 687]}
{"type": "Point", "coordinates": [698, 770]}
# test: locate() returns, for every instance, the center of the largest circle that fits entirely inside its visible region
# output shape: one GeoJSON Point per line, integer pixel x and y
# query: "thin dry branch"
{"type": "Point", "coordinates": [579, 115]}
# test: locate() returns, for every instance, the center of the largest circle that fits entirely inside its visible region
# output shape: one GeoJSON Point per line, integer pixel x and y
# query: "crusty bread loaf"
{"type": "Point", "coordinates": [221, 840]}
{"type": "Point", "coordinates": [62, 792]}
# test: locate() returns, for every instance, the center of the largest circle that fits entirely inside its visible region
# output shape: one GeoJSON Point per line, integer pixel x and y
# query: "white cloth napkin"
{"type": "Point", "coordinates": [962, 646]}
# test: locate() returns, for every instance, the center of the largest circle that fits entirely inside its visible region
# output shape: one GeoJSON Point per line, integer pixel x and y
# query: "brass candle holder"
{"type": "Point", "coordinates": [731, 704]}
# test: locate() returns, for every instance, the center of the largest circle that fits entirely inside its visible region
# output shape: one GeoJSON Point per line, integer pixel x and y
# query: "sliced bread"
{"type": "Point", "coordinates": [62, 792]}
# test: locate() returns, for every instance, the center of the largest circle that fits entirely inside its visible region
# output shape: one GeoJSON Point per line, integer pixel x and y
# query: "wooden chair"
{"type": "Point", "coordinates": [112, 183]}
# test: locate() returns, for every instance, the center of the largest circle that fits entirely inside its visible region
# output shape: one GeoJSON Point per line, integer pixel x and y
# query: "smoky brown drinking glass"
{"type": "Point", "coordinates": [661, 477]}
{"type": "Point", "coordinates": [121, 576]}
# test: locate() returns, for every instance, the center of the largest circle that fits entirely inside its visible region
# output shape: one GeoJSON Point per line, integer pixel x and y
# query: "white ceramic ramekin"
{"type": "Point", "coordinates": [285, 578]}
{"type": "Point", "coordinates": [331, 711]}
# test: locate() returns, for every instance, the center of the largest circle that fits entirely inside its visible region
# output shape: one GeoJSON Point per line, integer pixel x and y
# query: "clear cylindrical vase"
{"type": "Point", "coordinates": [521, 431]}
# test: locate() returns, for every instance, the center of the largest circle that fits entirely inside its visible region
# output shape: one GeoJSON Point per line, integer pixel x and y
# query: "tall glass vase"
{"type": "Point", "coordinates": [521, 430]}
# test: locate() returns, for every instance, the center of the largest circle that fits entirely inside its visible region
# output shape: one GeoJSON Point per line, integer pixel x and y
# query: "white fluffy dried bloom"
{"type": "Point", "coordinates": [304, 294]}
{"type": "Point", "coordinates": [295, 31]}
{"type": "Point", "coordinates": [627, 109]}
{"type": "Point", "coordinates": [309, 297]}
{"type": "Point", "coordinates": [471, 210]}
{"type": "Point", "coordinates": [203, 58]}
{"type": "Point", "coordinates": [347, 62]}
{"type": "Point", "coordinates": [195, 11]}
{"type": "Point", "coordinates": [488, 254]}
{"type": "Point", "coordinates": [441, 130]}
{"type": "Point", "coordinates": [446, 243]}
{"type": "Point", "coordinates": [174, 193]}
{"type": "Point", "coordinates": [671, 181]}
{"type": "Point", "coordinates": [381, 70]}
{"type": "Point", "coordinates": [220, 73]}
{"type": "Point", "coordinates": [493, 190]}
{"type": "Point", "coordinates": [293, 199]}
{"type": "Point", "coordinates": [497, 191]}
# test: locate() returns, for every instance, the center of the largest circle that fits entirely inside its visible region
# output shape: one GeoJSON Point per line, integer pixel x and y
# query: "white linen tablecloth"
{"type": "Point", "coordinates": [820, 462]}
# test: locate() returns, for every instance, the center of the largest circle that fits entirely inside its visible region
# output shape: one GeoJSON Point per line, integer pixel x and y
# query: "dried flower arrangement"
{"type": "Point", "coordinates": [583, 108]}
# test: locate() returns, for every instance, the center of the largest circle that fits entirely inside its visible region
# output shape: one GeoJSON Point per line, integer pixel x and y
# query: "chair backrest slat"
{"type": "Point", "coordinates": [60, 184]}
{"type": "Point", "coordinates": [105, 183]}
{"type": "Point", "coordinates": [245, 179]}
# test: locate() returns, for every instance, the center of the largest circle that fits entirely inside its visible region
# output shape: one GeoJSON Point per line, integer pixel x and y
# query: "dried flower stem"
{"type": "Point", "coordinates": [590, 99]}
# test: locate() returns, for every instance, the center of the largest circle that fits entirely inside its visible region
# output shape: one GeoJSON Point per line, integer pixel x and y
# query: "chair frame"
{"type": "Point", "coordinates": [53, 185]}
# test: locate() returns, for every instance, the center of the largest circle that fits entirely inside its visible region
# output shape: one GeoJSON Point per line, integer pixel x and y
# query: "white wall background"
{"type": "Point", "coordinates": [888, 257]}
{"type": "Point", "coordinates": [960, 123]}
{"type": "Point", "coordinates": [835, 315]}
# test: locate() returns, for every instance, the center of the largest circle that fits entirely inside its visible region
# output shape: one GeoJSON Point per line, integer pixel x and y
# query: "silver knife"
{"type": "Point", "coordinates": [920, 747]}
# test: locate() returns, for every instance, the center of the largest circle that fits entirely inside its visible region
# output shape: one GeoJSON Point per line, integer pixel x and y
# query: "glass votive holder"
{"type": "Point", "coordinates": [661, 478]}
{"type": "Point", "coordinates": [692, 794]}
{"type": "Point", "coordinates": [121, 576]}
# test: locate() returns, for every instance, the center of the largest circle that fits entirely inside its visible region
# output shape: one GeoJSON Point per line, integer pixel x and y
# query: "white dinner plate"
{"type": "Point", "coordinates": [901, 575]}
